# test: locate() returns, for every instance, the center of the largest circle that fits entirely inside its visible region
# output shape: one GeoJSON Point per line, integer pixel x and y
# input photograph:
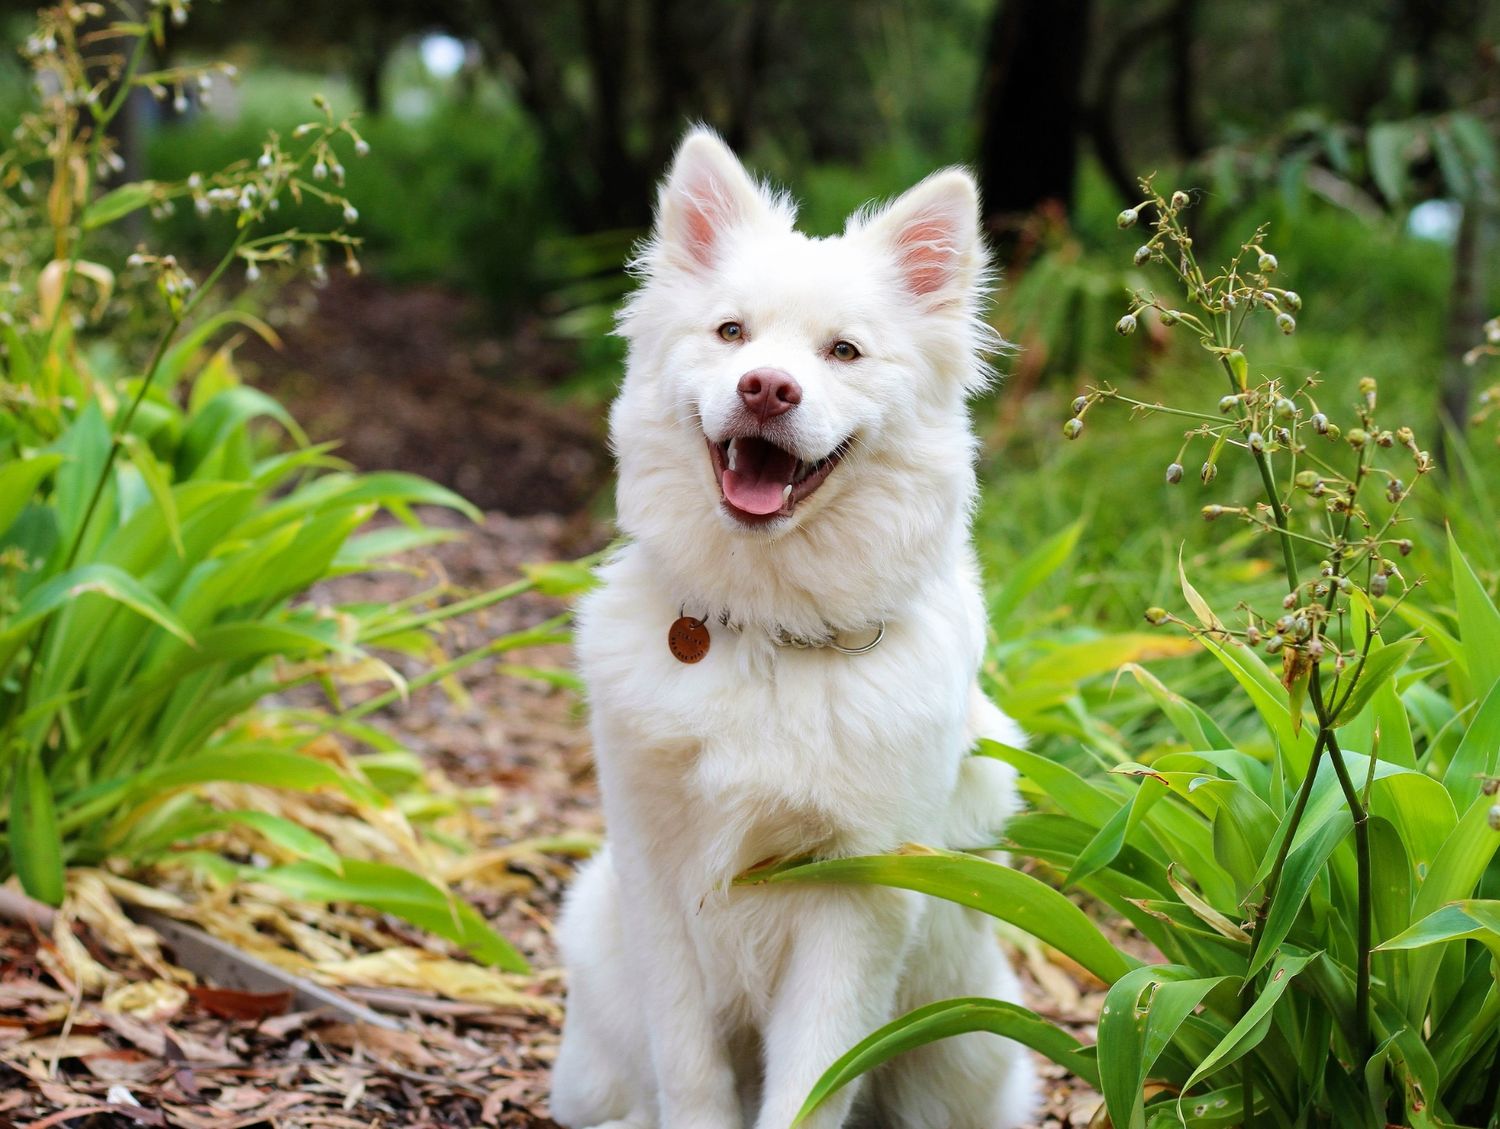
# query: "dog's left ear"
{"type": "Point", "coordinates": [933, 233]}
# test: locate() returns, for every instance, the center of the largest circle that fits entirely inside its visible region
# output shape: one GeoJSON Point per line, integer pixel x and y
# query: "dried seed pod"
{"type": "Point", "coordinates": [1079, 404]}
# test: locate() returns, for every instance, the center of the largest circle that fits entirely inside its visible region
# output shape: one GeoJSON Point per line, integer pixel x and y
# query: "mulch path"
{"type": "Point", "coordinates": [408, 382]}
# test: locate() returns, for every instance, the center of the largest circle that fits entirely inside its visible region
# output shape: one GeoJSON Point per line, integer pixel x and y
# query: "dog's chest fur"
{"type": "Point", "coordinates": [762, 751]}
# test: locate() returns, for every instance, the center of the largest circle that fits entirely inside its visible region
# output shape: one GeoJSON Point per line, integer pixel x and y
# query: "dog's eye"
{"type": "Point", "coordinates": [732, 331]}
{"type": "Point", "coordinates": [844, 351]}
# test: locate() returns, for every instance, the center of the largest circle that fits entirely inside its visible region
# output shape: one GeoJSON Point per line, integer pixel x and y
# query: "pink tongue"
{"type": "Point", "coordinates": [759, 482]}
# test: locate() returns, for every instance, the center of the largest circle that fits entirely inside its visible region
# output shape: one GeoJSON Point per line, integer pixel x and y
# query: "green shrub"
{"type": "Point", "coordinates": [455, 197]}
{"type": "Point", "coordinates": [158, 544]}
{"type": "Point", "coordinates": [1321, 885]}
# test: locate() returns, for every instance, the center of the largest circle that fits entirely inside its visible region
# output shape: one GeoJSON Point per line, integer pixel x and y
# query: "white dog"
{"type": "Point", "coordinates": [782, 663]}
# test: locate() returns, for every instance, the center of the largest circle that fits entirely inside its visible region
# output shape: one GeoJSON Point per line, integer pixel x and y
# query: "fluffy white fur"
{"type": "Point", "coordinates": [693, 1004]}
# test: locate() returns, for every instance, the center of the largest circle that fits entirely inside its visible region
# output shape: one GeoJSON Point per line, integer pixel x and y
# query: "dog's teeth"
{"type": "Point", "coordinates": [733, 452]}
{"type": "Point", "coordinates": [786, 495]}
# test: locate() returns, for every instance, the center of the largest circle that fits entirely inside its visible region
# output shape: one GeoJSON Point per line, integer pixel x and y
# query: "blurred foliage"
{"type": "Point", "coordinates": [454, 197]}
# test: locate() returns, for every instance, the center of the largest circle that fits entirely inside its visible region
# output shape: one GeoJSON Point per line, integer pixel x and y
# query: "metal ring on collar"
{"type": "Point", "coordinates": [868, 647]}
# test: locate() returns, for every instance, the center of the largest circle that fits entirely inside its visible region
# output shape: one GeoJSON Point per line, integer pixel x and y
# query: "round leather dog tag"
{"type": "Point", "coordinates": [688, 639]}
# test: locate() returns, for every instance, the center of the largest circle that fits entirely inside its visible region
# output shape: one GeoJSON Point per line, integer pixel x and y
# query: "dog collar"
{"type": "Point", "coordinates": [688, 638]}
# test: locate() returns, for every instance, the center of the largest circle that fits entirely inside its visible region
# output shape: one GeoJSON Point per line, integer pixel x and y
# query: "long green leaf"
{"type": "Point", "coordinates": [408, 896]}
{"type": "Point", "coordinates": [289, 836]}
{"type": "Point", "coordinates": [1387, 142]}
{"type": "Point", "coordinates": [1078, 797]}
{"type": "Point", "coordinates": [1469, 919]}
{"type": "Point", "coordinates": [1454, 874]}
{"type": "Point", "coordinates": [1141, 1014]}
{"type": "Point", "coordinates": [118, 204]}
{"type": "Point", "coordinates": [990, 887]}
{"type": "Point", "coordinates": [254, 764]}
{"type": "Point", "coordinates": [1026, 575]}
{"type": "Point", "coordinates": [91, 579]}
{"type": "Point", "coordinates": [18, 483]}
{"type": "Point", "coordinates": [1253, 1026]}
{"type": "Point", "coordinates": [944, 1020]}
{"type": "Point", "coordinates": [35, 845]}
{"type": "Point", "coordinates": [1478, 622]}
{"type": "Point", "coordinates": [1379, 668]}
{"type": "Point", "coordinates": [1303, 865]}
{"type": "Point", "coordinates": [1476, 755]}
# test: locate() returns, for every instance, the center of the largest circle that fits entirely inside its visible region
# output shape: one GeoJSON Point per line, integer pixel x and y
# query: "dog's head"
{"type": "Point", "coordinates": [781, 387]}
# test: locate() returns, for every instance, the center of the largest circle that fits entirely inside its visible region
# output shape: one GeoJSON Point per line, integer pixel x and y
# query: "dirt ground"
{"type": "Point", "coordinates": [409, 380]}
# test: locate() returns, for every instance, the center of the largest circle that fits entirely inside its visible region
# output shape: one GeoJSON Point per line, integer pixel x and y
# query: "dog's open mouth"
{"type": "Point", "coordinates": [760, 481]}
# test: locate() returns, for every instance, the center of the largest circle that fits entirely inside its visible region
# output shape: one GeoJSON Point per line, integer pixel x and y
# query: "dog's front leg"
{"type": "Point", "coordinates": [694, 1075]}
{"type": "Point", "coordinates": [839, 985]}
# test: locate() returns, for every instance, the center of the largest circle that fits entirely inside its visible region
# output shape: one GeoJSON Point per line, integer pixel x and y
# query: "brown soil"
{"type": "Point", "coordinates": [411, 379]}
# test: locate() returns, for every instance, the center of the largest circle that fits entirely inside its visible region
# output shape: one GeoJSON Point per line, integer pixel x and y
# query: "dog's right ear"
{"type": "Point", "coordinates": [707, 194]}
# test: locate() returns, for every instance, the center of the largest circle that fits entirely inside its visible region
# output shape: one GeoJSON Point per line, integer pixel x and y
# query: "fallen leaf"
{"type": "Point", "coordinates": [232, 1003]}
{"type": "Point", "coordinates": [152, 1001]}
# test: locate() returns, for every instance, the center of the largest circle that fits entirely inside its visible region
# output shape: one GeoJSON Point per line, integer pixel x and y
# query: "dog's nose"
{"type": "Point", "coordinates": [768, 392]}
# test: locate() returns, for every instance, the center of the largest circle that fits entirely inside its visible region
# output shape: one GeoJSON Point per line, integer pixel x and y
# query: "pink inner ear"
{"type": "Point", "coordinates": [702, 228]}
{"type": "Point", "coordinates": [708, 211]}
{"type": "Point", "coordinates": [928, 256]}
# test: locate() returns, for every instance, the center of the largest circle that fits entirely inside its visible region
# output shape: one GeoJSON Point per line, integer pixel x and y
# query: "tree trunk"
{"type": "Point", "coordinates": [1029, 108]}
